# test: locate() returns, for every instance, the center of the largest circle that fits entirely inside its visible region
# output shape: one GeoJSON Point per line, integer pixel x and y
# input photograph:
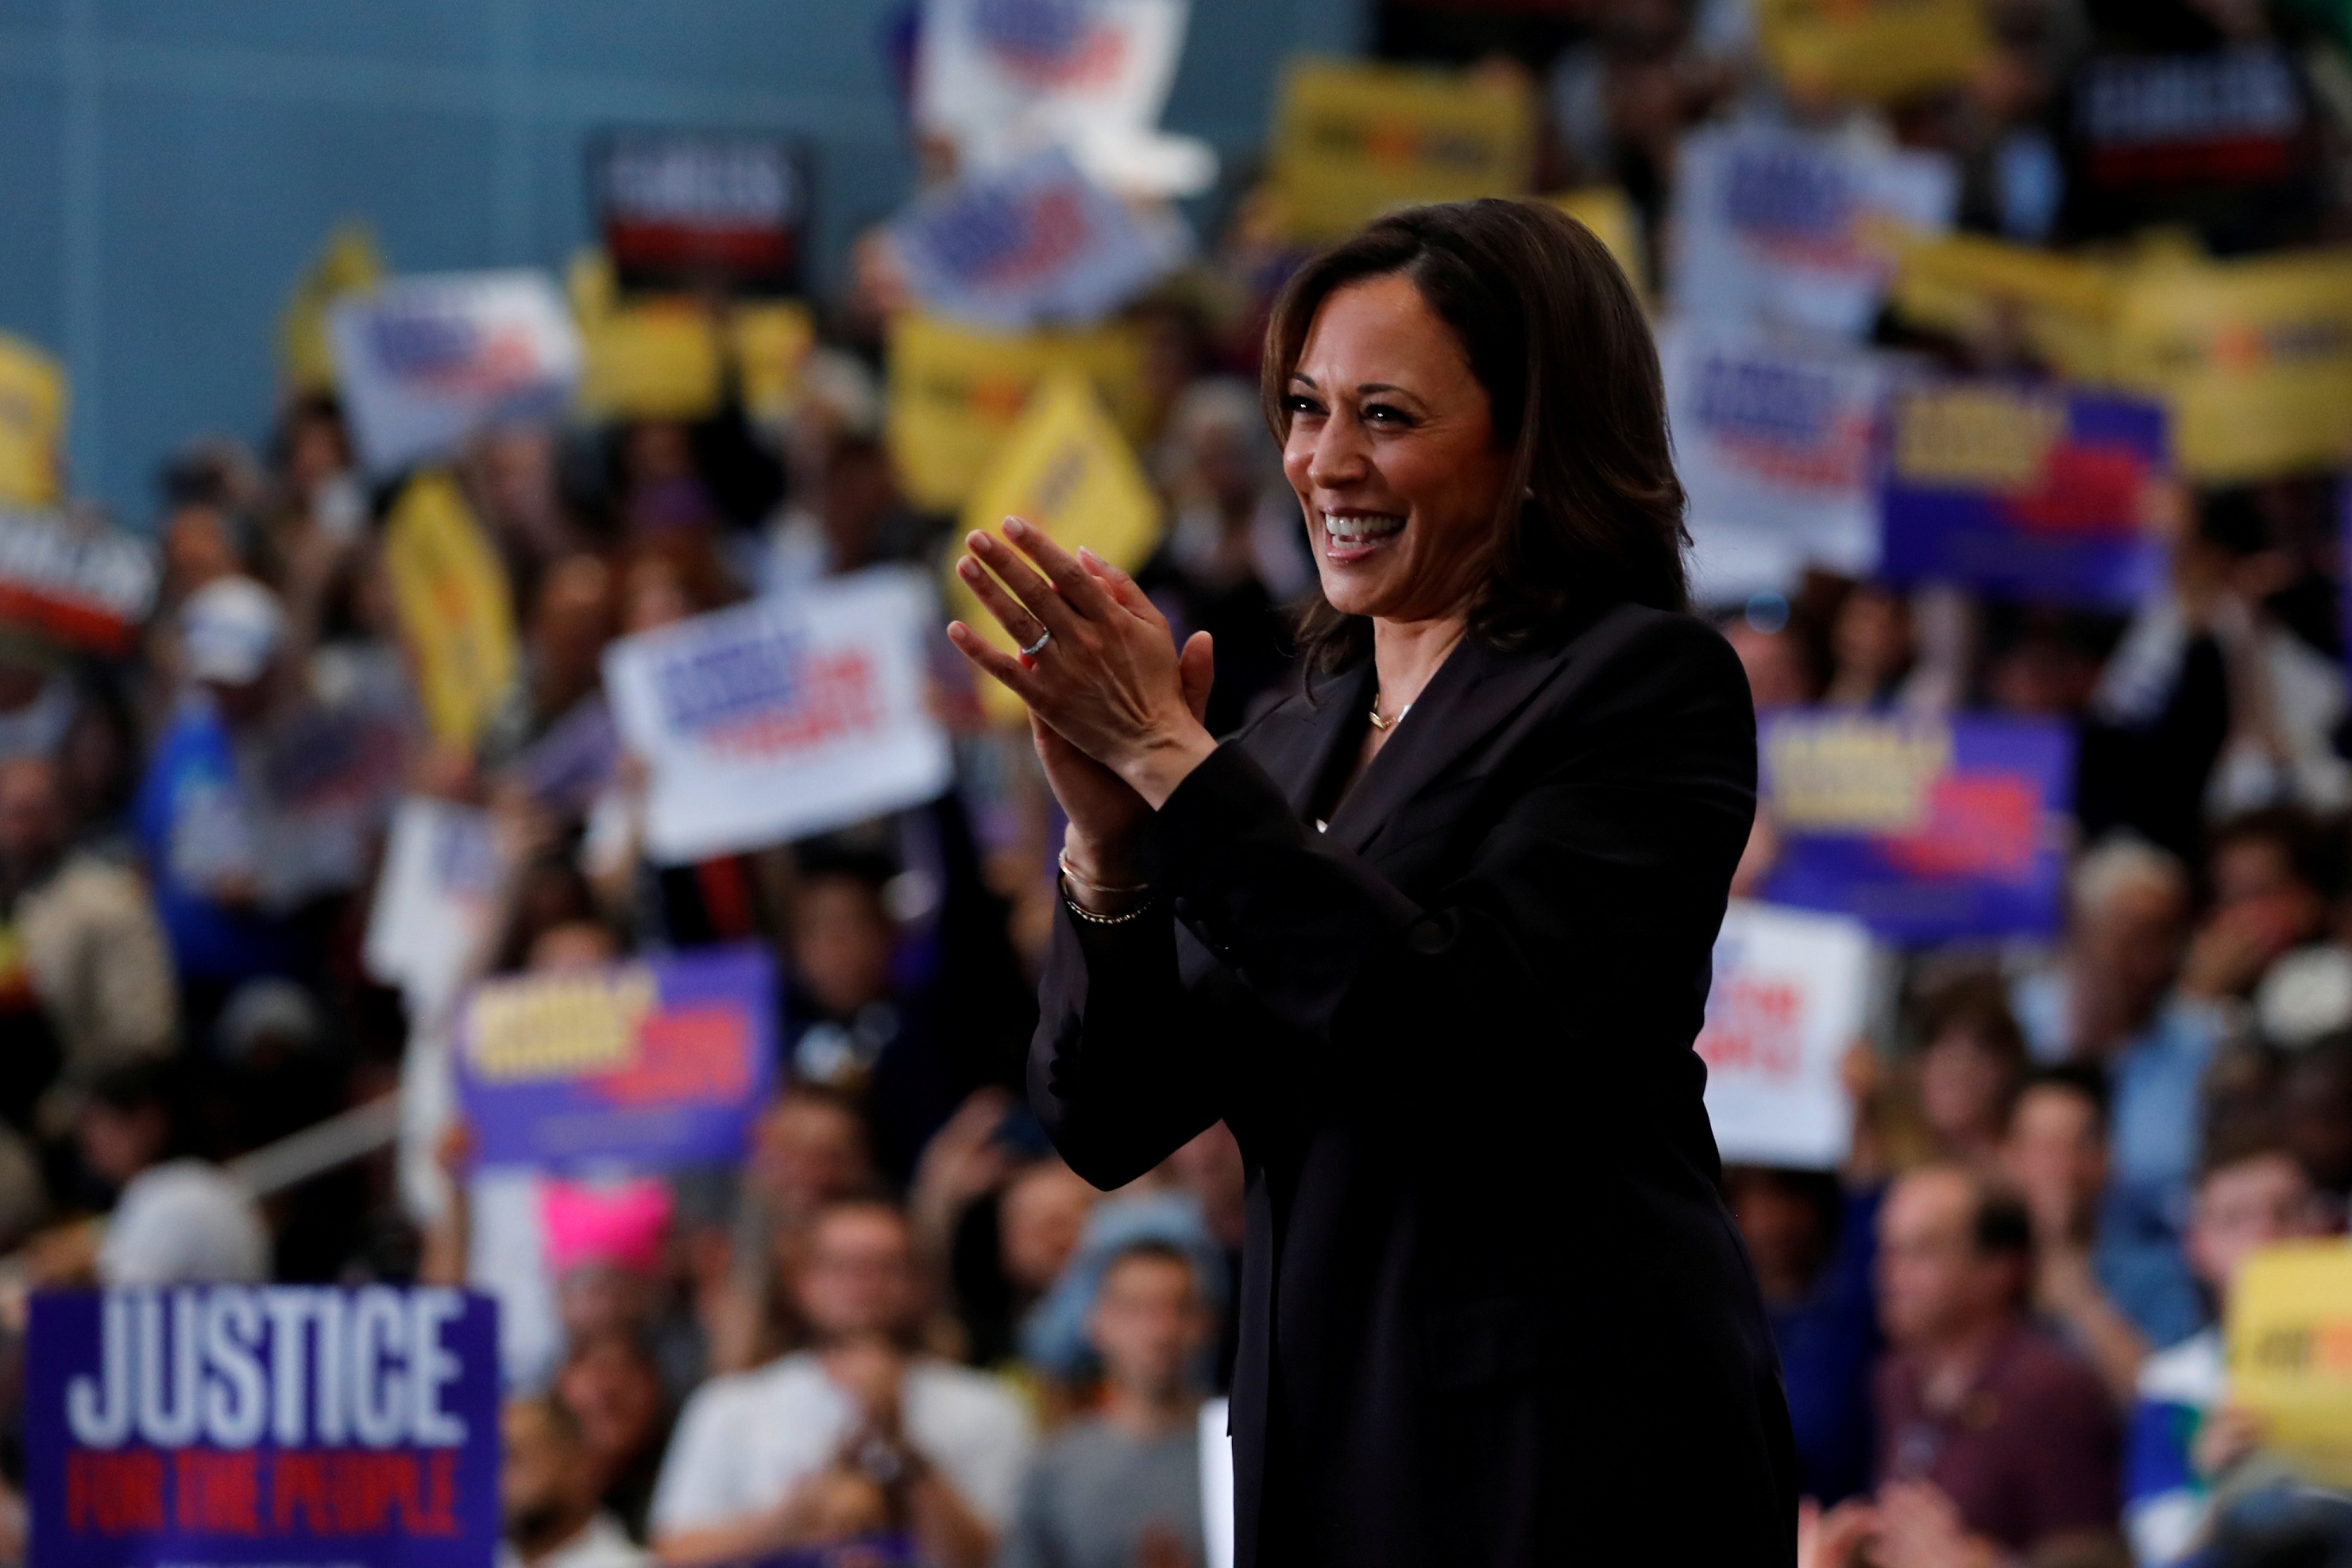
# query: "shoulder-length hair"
{"type": "Point", "coordinates": [1593, 514]}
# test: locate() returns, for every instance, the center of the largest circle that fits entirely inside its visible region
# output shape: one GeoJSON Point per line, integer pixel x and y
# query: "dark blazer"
{"type": "Point", "coordinates": [1493, 1309]}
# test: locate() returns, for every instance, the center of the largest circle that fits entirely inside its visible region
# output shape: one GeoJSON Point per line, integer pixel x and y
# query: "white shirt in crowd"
{"type": "Point", "coordinates": [746, 1440]}
{"type": "Point", "coordinates": [601, 1543]}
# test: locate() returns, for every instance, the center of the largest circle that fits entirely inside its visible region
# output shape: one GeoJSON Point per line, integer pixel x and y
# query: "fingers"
{"type": "Point", "coordinates": [1009, 672]}
{"type": "Point", "coordinates": [1196, 666]}
{"type": "Point", "coordinates": [1046, 603]}
{"type": "Point", "coordinates": [1020, 623]}
{"type": "Point", "coordinates": [1122, 588]}
{"type": "Point", "coordinates": [1076, 583]}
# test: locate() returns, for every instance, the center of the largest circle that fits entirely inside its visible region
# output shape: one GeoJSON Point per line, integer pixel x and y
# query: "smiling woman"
{"type": "Point", "coordinates": [1435, 930]}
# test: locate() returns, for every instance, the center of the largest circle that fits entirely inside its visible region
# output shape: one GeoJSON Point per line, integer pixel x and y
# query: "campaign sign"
{"type": "Point", "coordinates": [783, 717]}
{"type": "Point", "coordinates": [653, 1064]}
{"type": "Point", "coordinates": [1003, 78]}
{"type": "Point", "coordinates": [83, 587]}
{"type": "Point", "coordinates": [1776, 442]}
{"type": "Point", "coordinates": [679, 210]}
{"type": "Point", "coordinates": [280, 1424]}
{"type": "Point", "coordinates": [2289, 1344]}
{"type": "Point", "coordinates": [1926, 829]}
{"type": "Point", "coordinates": [1030, 245]}
{"type": "Point", "coordinates": [1787, 1003]}
{"type": "Point", "coordinates": [1792, 228]}
{"type": "Point", "coordinates": [2038, 491]}
{"type": "Point", "coordinates": [434, 900]}
{"type": "Point", "coordinates": [423, 363]}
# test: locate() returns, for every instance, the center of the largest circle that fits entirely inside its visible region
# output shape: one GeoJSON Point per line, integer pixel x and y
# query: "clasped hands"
{"type": "Point", "coordinates": [1115, 708]}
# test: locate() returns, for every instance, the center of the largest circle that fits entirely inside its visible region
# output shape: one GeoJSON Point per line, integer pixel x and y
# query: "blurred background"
{"type": "Point", "coordinates": [486, 800]}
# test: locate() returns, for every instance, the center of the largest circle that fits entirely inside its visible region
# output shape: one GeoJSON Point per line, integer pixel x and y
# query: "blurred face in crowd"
{"type": "Point", "coordinates": [857, 1278]}
{"type": "Point", "coordinates": [2256, 888]}
{"type": "Point", "coordinates": [613, 1391]}
{"type": "Point", "coordinates": [809, 1151]}
{"type": "Point", "coordinates": [1965, 1084]}
{"type": "Point", "coordinates": [316, 451]}
{"type": "Point", "coordinates": [653, 595]}
{"type": "Point", "coordinates": [1933, 1283]}
{"type": "Point", "coordinates": [1148, 1324]}
{"type": "Point", "coordinates": [33, 825]}
{"type": "Point", "coordinates": [842, 942]}
{"type": "Point", "coordinates": [117, 1142]}
{"type": "Point", "coordinates": [572, 945]}
{"type": "Point", "coordinates": [598, 1298]}
{"type": "Point", "coordinates": [2130, 944]}
{"type": "Point", "coordinates": [545, 1493]}
{"type": "Point", "coordinates": [1782, 1227]}
{"type": "Point", "coordinates": [1210, 1168]}
{"type": "Point", "coordinates": [2316, 1093]}
{"type": "Point", "coordinates": [2056, 1156]}
{"type": "Point", "coordinates": [859, 492]}
{"type": "Point", "coordinates": [2043, 674]}
{"type": "Point", "coordinates": [1392, 452]}
{"type": "Point", "coordinates": [197, 549]}
{"type": "Point", "coordinates": [658, 452]}
{"type": "Point", "coordinates": [570, 623]}
{"type": "Point", "coordinates": [1871, 639]}
{"type": "Point", "coordinates": [2244, 1207]}
{"type": "Point", "coordinates": [1043, 1214]}
{"type": "Point", "coordinates": [1777, 677]}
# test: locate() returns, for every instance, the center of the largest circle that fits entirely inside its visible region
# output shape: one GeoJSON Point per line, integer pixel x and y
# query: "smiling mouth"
{"type": "Point", "coordinates": [1350, 536]}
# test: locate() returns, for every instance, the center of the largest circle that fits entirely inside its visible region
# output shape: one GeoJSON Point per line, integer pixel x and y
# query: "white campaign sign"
{"type": "Point", "coordinates": [1775, 227]}
{"type": "Point", "coordinates": [1002, 79]}
{"type": "Point", "coordinates": [1787, 1003]}
{"type": "Point", "coordinates": [1774, 439]}
{"type": "Point", "coordinates": [781, 718]}
{"type": "Point", "coordinates": [433, 902]}
{"type": "Point", "coordinates": [425, 362]}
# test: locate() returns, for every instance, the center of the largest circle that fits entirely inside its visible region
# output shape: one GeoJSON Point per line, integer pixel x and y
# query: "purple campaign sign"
{"type": "Point", "coordinates": [2033, 491]}
{"type": "Point", "coordinates": [656, 1064]}
{"type": "Point", "coordinates": [249, 1425]}
{"type": "Point", "coordinates": [1925, 829]}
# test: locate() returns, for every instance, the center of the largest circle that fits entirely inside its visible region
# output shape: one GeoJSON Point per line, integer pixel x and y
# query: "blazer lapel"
{"type": "Point", "coordinates": [1472, 694]}
{"type": "Point", "coordinates": [1296, 746]}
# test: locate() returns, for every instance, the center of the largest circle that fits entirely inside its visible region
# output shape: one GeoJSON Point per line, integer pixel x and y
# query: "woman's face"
{"type": "Point", "coordinates": [1392, 453]}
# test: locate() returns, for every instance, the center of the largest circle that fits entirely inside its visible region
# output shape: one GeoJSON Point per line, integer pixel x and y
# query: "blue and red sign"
{"type": "Point", "coordinates": [653, 1065]}
{"type": "Point", "coordinates": [2035, 492]}
{"type": "Point", "coordinates": [249, 1425]}
{"type": "Point", "coordinates": [1925, 829]}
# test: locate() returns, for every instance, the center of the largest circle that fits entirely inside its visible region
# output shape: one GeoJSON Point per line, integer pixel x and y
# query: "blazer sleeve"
{"type": "Point", "coordinates": [1591, 900]}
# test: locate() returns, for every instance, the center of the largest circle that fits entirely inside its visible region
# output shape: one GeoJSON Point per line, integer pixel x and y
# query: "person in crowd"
{"type": "Point", "coordinates": [1122, 1486]}
{"type": "Point", "coordinates": [548, 1497]}
{"type": "Point", "coordinates": [1233, 558]}
{"type": "Point", "coordinates": [1814, 1243]}
{"type": "Point", "coordinates": [2185, 1436]}
{"type": "Point", "coordinates": [948, 1443]}
{"type": "Point", "coordinates": [1970, 1063]}
{"type": "Point", "coordinates": [572, 619]}
{"type": "Point", "coordinates": [176, 1219]}
{"type": "Point", "coordinates": [1870, 646]}
{"type": "Point", "coordinates": [88, 980]}
{"type": "Point", "coordinates": [2113, 1000]}
{"type": "Point", "coordinates": [612, 1385]}
{"type": "Point", "coordinates": [2273, 873]}
{"type": "Point", "coordinates": [2316, 1100]}
{"type": "Point", "coordinates": [1990, 1435]}
{"type": "Point", "coordinates": [2055, 1161]}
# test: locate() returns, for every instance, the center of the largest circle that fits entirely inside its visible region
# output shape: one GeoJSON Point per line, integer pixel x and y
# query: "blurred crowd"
{"type": "Point", "coordinates": [904, 1322]}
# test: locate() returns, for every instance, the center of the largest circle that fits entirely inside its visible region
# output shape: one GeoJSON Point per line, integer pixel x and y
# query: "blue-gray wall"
{"type": "Point", "coordinates": [167, 166]}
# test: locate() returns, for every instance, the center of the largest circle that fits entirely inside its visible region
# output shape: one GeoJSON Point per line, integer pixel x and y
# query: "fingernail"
{"type": "Point", "coordinates": [968, 567]}
{"type": "Point", "coordinates": [1089, 557]}
{"type": "Point", "coordinates": [1013, 525]}
{"type": "Point", "coordinates": [977, 539]}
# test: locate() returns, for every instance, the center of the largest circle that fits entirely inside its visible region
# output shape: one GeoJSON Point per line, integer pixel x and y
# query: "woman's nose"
{"type": "Point", "coordinates": [1338, 457]}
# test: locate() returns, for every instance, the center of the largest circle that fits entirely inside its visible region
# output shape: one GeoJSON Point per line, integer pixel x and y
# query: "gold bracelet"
{"type": "Point", "coordinates": [1091, 918]}
{"type": "Point", "coordinates": [1062, 863]}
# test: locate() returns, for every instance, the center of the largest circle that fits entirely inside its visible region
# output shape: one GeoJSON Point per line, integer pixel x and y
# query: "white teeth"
{"type": "Point", "coordinates": [1357, 529]}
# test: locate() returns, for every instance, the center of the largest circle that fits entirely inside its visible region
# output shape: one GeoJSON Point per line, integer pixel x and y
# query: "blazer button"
{"type": "Point", "coordinates": [1180, 904]}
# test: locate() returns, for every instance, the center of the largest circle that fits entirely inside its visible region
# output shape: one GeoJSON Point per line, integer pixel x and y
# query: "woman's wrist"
{"type": "Point", "coordinates": [1161, 764]}
{"type": "Point", "coordinates": [1106, 894]}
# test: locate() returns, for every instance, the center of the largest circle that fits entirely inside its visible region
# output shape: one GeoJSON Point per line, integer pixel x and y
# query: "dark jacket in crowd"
{"type": "Point", "coordinates": [1493, 1309]}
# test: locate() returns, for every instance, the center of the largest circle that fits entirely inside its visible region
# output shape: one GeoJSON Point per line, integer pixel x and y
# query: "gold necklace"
{"type": "Point", "coordinates": [1385, 725]}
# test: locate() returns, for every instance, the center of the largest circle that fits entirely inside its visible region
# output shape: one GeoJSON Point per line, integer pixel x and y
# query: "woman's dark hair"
{"type": "Point", "coordinates": [1594, 512]}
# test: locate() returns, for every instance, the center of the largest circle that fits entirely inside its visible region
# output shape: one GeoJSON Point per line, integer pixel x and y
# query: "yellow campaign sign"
{"type": "Point", "coordinates": [656, 361]}
{"type": "Point", "coordinates": [2289, 1344]}
{"type": "Point", "coordinates": [1354, 140]}
{"type": "Point", "coordinates": [1067, 469]}
{"type": "Point", "coordinates": [956, 393]}
{"type": "Point", "coordinates": [2254, 358]}
{"type": "Point", "coordinates": [347, 264]}
{"type": "Point", "coordinates": [1877, 49]}
{"type": "Point", "coordinates": [1609, 214]}
{"type": "Point", "coordinates": [2060, 307]}
{"type": "Point", "coordinates": [32, 424]}
{"type": "Point", "coordinates": [769, 343]}
{"type": "Point", "coordinates": [455, 613]}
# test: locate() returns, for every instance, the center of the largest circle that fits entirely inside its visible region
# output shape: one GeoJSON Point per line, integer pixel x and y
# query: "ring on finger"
{"type": "Point", "coordinates": [1045, 635]}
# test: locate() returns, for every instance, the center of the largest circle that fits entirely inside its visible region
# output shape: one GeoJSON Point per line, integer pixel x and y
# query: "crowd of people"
{"type": "Point", "coordinates": [903, 1323]}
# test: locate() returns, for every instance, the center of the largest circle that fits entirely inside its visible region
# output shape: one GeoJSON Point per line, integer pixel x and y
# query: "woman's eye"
{"type": "Point", "coordinates": [1295, 405]}
{"type": "Point", "coordinates": [1382, 414]}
